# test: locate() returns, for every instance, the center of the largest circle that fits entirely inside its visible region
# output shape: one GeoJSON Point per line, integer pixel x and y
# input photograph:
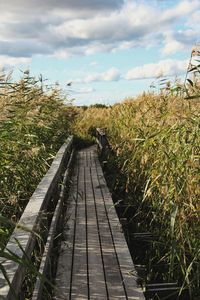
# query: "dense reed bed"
{"type": "Point", "coordinates": [34, 122]}
{"type": "Point", "coordinates": [156, 140]}
{"type": "Point", "coordinates": [156, 145]}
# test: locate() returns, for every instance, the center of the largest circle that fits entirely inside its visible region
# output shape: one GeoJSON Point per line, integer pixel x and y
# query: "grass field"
{"type": "Point", "coordinates": [156, 144]}
{"type": "Point", "coordinates": [33, 125]}
{"type": "Point", "coordinates": [156, 140]}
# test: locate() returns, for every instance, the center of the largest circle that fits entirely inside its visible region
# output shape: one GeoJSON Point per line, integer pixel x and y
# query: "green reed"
{"type": "Point", "coordinates": [34, 122]}
{"type": "Point", "coordinates": [156, 139]}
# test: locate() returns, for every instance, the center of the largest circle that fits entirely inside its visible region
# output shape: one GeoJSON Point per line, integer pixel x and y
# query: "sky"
{"type": "Point", "coordinates": [108, 49]}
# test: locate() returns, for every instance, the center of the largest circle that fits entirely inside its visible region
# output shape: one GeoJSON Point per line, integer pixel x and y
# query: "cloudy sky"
{"type": "Point", "coordinates": [108, 49]}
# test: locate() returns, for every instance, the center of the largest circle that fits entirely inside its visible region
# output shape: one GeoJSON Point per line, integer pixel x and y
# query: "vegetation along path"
{"type": "Point", "coordinates": [152, 169]}
{"type": "Point", "coordinates": [94, 260]}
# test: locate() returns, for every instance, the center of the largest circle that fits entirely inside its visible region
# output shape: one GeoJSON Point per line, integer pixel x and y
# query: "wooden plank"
{"type": "Point", "coordinates": [128, 271]}
{"type": "Point", "coordinates": [31, 221]}
{"type": "Point", "coordinates": [79, 283]}
{"type": "Point", "coordinates": [114, 280]}
{"type": "Point", "coordinates": [46, 258]}
{"type": "Point", "coordinates": [101, 266]}
{"type": "Point", "coordinates": [65, 261]}
{"type": "Point", "coordinates": [97, 284]}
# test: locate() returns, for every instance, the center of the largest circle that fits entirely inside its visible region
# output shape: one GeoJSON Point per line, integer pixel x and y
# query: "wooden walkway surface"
{"type": "Point", "coordinates": [94, 261]}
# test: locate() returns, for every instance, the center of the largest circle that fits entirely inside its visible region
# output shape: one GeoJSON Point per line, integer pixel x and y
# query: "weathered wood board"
{"type": "Point", "coordinates": [30, 225]}
{"type": "Point", "coordinates": [94, 261]}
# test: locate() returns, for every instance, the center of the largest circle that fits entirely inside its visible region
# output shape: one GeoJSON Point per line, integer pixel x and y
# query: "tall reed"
{"type": "Point", "coordinates": [34, 122]}
{"type": "Point", "coordinates": [156, 139]}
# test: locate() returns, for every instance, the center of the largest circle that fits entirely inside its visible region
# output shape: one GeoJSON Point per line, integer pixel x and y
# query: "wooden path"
{"type": "Point", "coordinates": [94, 260]}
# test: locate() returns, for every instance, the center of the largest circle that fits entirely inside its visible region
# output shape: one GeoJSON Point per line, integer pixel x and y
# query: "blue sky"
{"type": "Point", "coordinates": [108, 49]}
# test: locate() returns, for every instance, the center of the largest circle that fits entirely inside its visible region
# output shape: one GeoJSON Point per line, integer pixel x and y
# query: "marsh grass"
{"type": "Point", "coordinates": [35, 121]}
{"type": "Point", "coordinates": [156, 140]}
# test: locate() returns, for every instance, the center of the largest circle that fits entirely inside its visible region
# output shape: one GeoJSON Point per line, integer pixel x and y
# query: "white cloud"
{"type": "Point", "coordinates": [172, 45]}
{"type": "Point", "coordinates": [85, 27]}
{"type": "Point", "coordinates": [134, 24]}
{"type": "Point", "coordinates": [18, 7]}
{"type": "Point", "coordinates": [183, 8]}
{"type": "Point", "coordinates": [62, 54]}
{"type": "Point", "coordinates": [13, 61]}
{"type": "Point", "coordinates": [190, 35]}
{"type": "Point", "coordinates": [193, 22]}
{"type": "Point", "coordinates": [96, 47]}
{"type": "Point", "coordinates": [168, 67]}
{"type": "Point", "coordinates": [162, 68]}
{"type": "Point", "coordinates": [111, 74]}
{"type": "Point", "coordinates": [102, 31]}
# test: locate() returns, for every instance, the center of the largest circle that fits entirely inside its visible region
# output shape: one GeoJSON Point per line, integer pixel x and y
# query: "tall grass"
{"type": "Point", "coordinates": [89, 119]}
{"type": "Point", "coordinates": [34, 122]}
{"type": "Point", "coordinates": [156, 139]}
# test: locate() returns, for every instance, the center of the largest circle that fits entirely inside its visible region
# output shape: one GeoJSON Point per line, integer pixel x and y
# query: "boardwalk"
{"type": "Point", "coordinates": [94, 260]}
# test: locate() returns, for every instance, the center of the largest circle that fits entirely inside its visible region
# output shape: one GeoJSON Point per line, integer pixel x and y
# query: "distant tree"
{"type": "Point", "coordinates": [99, 105]}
